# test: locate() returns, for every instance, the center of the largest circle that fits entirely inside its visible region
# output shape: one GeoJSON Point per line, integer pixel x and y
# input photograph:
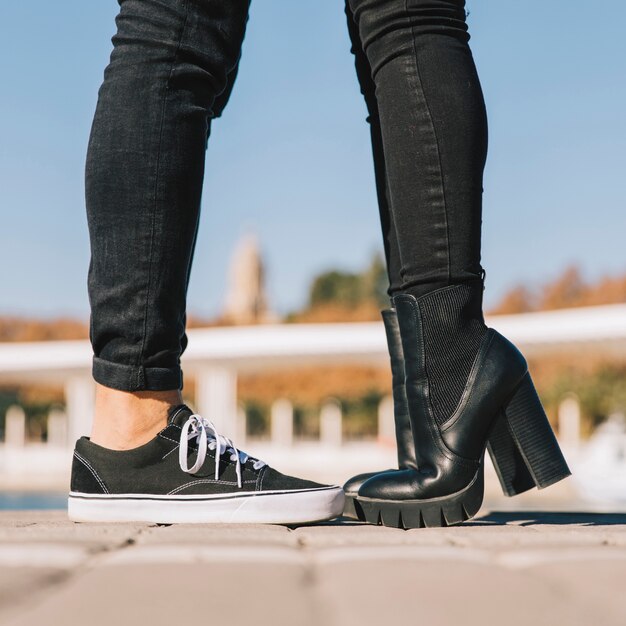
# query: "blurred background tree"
{"type": "Point", "coordinates": [339, 296]}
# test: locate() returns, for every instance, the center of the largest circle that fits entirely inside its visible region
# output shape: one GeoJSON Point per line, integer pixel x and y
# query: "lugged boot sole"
{"type": "Point", "coordinates": [447, 510]}
{"type": "Point", "coordinates": [352, 509]}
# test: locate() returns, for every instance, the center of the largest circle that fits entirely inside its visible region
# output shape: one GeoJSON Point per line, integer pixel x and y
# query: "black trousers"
{"type": "Point", "coordinates": [429, 137]}
{"type": "Point", "coordinates": [171, 71]}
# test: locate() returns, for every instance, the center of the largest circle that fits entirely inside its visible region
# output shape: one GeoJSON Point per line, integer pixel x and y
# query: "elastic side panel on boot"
{"type": "Point", "coordinates": [453, 329]}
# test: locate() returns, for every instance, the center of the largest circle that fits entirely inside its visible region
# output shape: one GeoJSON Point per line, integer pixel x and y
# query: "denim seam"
{"type": "Point", "coordinates": [140, 371]}
{"type": "Point", "coordinates": [430, 117]}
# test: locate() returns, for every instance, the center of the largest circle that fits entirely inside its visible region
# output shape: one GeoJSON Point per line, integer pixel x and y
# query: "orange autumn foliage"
{"type": "Point", "coordinates": [569, 290]}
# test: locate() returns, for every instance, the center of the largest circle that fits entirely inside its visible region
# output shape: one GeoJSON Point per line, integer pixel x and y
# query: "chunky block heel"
{"type": "Point", "coordinates": [525, 424]}
{"type": "Point", "coordinates": [512, 471]}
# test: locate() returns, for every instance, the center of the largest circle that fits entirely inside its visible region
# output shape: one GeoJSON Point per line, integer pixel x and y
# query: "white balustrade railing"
{"type": "Point", "coordinates": [216, 356]}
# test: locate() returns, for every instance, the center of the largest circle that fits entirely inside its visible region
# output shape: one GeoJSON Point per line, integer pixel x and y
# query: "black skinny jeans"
{"type": "Point", "coordinates": [429, 137]}
{"type": "Point", "coordinates": [171, 72]}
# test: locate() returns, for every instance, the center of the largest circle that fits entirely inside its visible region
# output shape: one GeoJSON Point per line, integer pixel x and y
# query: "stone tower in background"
{"type": "Point", "coordinates": [246, 301]}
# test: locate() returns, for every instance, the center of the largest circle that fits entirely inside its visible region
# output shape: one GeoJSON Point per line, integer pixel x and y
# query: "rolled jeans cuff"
{"type": "Point", "coordinates": [136, 378]}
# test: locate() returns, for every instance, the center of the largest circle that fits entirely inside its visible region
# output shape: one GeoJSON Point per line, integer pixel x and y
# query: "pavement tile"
{"type": "Point", "coordinates": [181, 594]}
{"type": "Point", "coordinates": [208, 554]}
{"type": "Point", "coordinates": [25, 518]}
{"type": "Point", "coordinates": [512, 568]}
{"type": "Point", "coordinates": [348, 534]}
{"type": "Point", "coordinates": [597, 580]}
{"type": "Point", "coordinates": [20, 586]}
{"type": "Point", "coordinates": [219, 534]}
{"type": "Point", "coordinates": [444, 592]}
{"type": "Point", "coordinates": [488, 539]}
{"type": "Point", "coordinates": [50, 526]}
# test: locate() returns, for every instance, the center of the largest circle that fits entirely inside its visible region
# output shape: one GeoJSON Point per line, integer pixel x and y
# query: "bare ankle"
{"type": "Point", "coordinates": [125, 420]}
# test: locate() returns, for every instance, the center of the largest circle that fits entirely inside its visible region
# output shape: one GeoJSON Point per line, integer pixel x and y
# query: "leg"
{"type": "Point", "coordinates": [368, 89]}
{"type": "Point", "coordinates": [150, 461]}
{"type": "Point", "coordinates": [434, 134]}
{"type": "Point", "coordinates": [170, 72]}
{"type": "Point", "coordinates": [466, 386]}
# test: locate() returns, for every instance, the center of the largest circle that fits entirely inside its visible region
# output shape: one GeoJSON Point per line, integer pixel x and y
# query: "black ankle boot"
{"type": "Point", "coordinates": [468, 388]}
{"type": "Point", "coordinates": [404, 437]}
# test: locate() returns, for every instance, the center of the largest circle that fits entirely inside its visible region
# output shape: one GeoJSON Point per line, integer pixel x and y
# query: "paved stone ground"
{"type": "Point", "coordinates": [508, 568]}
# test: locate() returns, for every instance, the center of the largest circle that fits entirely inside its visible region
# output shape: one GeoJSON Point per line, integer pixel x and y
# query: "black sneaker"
{"type": "Point", "coordinates": [182, 476]}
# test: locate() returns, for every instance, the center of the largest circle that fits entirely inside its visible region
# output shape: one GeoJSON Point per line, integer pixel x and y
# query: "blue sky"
{"type": "Point", "coordinates": [290, 159]}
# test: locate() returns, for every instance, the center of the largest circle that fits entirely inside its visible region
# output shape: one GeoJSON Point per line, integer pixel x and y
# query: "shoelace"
{"type": "Point", "coordinates": [197, 427]}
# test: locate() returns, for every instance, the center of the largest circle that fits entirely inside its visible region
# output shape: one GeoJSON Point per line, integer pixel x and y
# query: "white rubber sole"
{"type": "Point", "coordinates": [259, 507]}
